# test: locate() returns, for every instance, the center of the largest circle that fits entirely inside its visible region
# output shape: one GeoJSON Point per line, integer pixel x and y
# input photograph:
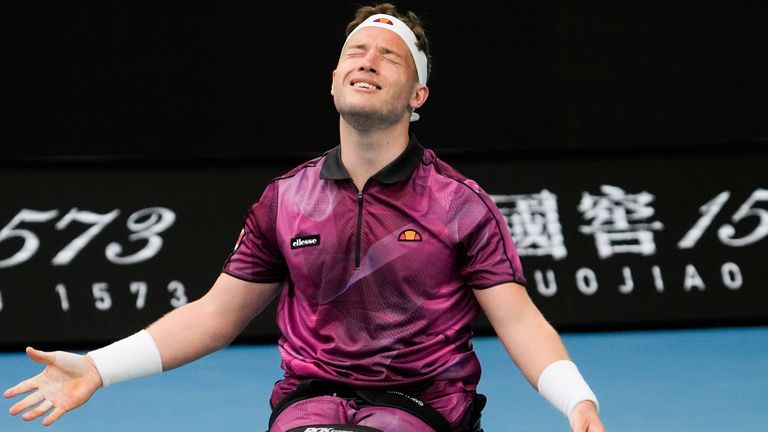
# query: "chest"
{"type": "Point", "coordinates": [391, 234]}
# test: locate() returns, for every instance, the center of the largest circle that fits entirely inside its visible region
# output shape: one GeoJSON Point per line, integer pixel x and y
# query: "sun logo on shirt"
{"type": "Point", "coordinates": [409, 235]}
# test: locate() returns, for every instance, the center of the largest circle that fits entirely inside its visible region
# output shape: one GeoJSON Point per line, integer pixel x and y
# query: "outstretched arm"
{"type": "Point", "coordinates": [181, 336]}
{"type": "Point", "coordinates": [534, 346]}
{"type": "Point", "coordinates": [210, 323]}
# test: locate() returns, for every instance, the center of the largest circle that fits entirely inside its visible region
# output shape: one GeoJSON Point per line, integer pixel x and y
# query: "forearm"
{"type": "Point", "coordinates": [536, 348]}
{"type": "Point", "coordinates": [531, 342]}
{"type": "Point", "coordinates": [189, 333]}
{"type": "Point", "coordinates": [549, 370]}
{"type": "Point", "coordinates": [533, 345]}
{"type": "Point", "coordinates": [179, 337]}
{"type": "Point", "coordinates": [210, 323]}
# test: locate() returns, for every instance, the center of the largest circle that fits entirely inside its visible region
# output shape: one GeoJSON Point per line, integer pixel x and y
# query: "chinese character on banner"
{"type": "Point", "coordinates": [620, 221]}
{"type": "Point", "coordinates": [534, 223]}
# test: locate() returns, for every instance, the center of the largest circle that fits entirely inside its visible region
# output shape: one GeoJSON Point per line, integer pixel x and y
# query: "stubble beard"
{"type": "Point", "coordinates": [369, 118]}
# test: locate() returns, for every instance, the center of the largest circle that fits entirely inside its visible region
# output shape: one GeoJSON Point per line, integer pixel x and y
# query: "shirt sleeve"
{"type": "Point", "coordinates": [256, 257]}
{"type": "Point", "coordinates": [488, 256]}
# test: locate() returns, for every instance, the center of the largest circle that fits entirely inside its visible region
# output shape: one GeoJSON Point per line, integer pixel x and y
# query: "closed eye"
{"type": "Point", "coordinates": [392, 58]}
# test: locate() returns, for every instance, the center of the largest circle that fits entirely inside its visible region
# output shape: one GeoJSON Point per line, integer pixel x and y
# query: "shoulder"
{"type": "Point", "coordinates": [442, 172]}
{"type": "Point", "coordinates": [459, 194]}
{"type": "Point", "coordinates": [276, 186]}
{"type": "Point", "coordinates": [303, 173]}
{"type": "Point", "coordinates": [308, 166]}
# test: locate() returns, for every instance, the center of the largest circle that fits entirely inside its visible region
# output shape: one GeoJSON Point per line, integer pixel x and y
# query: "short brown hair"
{"type": "Point", "coordinates": [409, 18]}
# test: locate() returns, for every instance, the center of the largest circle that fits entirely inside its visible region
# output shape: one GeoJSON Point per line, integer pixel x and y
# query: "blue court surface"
{"type": "Point", "coordinates": [647, 381]}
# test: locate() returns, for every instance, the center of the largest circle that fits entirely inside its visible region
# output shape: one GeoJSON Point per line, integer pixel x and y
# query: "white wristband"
{"type": "Point", "coordinates": [563, 386]}
{"type": "Point", "coordinates": [133, 357]}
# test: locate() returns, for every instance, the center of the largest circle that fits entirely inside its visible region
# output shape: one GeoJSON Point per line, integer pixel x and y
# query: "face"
{"type": "Point", "coordinates": [375, 82]}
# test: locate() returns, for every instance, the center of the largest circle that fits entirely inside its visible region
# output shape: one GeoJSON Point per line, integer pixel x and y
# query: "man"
{"type": "Point", "coordinates": [381, 256]}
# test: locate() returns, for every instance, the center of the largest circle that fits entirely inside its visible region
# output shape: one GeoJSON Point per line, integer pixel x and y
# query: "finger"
{"type": "Point", "coordinates": [52, 417]}
{"type": "Point", "coordinates": [29, 401]}
{"type": "Point", "coordinates": [596, 428]}
{"type": "Point", "coordinates": [9, 393]}
{"type": "Point", "coordinates": [22, 387]}
{"type": "Point", "coordinates": [579, 425]}
{"type": "Point", "coordinates": [589, 425]}
{"type": "Point", "coordinates": [41, 409]}
{"type": "Point", "coordinates": [41, 357]}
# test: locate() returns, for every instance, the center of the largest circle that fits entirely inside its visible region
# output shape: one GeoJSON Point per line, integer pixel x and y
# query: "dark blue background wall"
{"type": "Point", "coordinates": [172, 78]}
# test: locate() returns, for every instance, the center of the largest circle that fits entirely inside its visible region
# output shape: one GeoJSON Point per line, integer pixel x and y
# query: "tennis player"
{"type": "Point", "coordinates": [380, 256]}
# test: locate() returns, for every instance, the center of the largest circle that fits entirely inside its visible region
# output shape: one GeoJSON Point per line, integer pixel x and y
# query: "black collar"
{"type": "Point", "coordinates": [397, 170]}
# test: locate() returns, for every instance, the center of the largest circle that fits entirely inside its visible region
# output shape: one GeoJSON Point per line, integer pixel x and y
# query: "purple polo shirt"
{"type": "Point", "coordinates": [377, 285]}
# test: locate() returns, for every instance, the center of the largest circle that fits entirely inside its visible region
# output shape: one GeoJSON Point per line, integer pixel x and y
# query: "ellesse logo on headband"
{"type": "Point", "coordinates": [383, 20]}
{"type": "Point", "coordinates": [305, 241]}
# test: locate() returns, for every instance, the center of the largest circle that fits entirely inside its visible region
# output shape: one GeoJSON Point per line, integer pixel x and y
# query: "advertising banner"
{"type": "Point", "coordinates": [91, 252]}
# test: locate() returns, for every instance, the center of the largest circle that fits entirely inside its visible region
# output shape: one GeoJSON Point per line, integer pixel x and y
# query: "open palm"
{"type": "Point", "coordinates": [67, 382]}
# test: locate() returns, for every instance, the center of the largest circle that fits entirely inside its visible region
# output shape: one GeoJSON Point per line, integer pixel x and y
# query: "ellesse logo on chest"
{"type": "Point", "coordinates": [305, 241]}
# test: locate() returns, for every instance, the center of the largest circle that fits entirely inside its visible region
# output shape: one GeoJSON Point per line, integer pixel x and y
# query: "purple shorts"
{"type": "Point", "coordinates": [452, 400]}
{"type": "Point", "coordinates": [335, 410]}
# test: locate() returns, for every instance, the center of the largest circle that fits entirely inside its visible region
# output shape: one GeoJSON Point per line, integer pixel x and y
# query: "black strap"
{"type": "Point", "coordinates": [476, 409]}
{"type": "Point", "coordinates": [306, 389]}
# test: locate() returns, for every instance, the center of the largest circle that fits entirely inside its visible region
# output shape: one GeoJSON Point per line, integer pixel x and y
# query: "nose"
{"type": "Point", "coordinates": [369, 62]}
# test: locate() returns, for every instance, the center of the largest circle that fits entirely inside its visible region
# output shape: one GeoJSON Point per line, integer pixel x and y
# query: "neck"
{"type": "Point", "coordinates": [364, 153]}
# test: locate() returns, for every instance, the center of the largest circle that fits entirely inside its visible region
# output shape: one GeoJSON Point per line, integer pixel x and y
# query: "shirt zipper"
{"type": "Point", "coordinates": [359, 227]}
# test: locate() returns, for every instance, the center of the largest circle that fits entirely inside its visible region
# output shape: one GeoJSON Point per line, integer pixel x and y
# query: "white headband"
{"type": "Point", "coordinates": [406, 34]}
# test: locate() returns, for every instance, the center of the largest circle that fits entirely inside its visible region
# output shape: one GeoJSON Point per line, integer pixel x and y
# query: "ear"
{"type": "Point", "coordinates": [333, 77]}
{"type": "Point", "coordinates": [419, 96]}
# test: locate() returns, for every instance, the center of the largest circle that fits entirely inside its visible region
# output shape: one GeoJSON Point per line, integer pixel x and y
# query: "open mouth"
{"type": "Point", "coordinates": [364, 85]}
